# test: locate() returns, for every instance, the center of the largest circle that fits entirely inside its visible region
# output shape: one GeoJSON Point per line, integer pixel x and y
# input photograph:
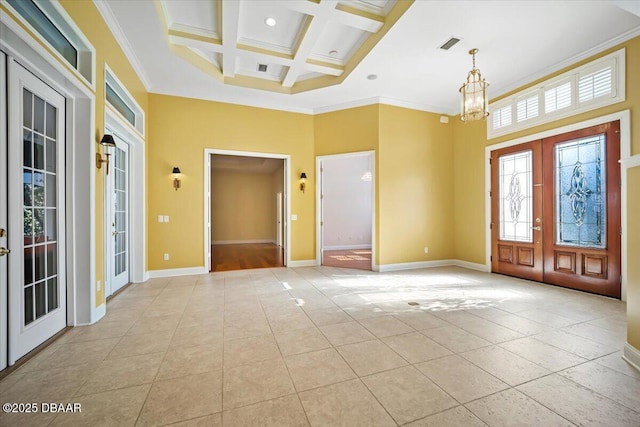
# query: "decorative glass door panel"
{"type": "Point", "coordinates": [37, 284]}
{"type": "Point", "coordinates": [575, 240]}
{"type": "Point", "coordinates": [516, 197]}
{"type": "Point", "coordinates": [581, 190]}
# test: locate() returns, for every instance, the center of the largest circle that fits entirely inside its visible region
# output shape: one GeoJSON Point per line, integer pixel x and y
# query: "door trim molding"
{"type": "Point", "coordinates": [207, 200]}
{"type": "Point", "coordinates": [624, 117]}
{"type": "Point", "coordinates": [137, 197]}
{"type": "Point", "coordinates": [372, 155]}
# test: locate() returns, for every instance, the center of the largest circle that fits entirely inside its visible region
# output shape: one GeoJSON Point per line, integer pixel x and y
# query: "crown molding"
{"type": "Point", "coordinates": [118, 34]}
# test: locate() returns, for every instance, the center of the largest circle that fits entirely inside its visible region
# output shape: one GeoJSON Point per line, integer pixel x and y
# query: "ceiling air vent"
{"type": "Point", "coordinates": [449, 43]}
{"type": "Point", "coordinates": [262, 68]}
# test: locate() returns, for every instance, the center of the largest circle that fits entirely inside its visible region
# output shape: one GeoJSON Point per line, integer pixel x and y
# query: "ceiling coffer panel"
{"type": "Point", "coordinates": [337, 43]}
{"type": "Point", "coordinates": [276, 44]}
{"type": "Point", "coordinates": [194, 16]}
{"type": "Point", "coordinates": [253, 30]}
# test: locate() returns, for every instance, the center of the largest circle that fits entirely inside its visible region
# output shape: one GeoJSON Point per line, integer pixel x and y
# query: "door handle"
{"type": "Point", "coordinates": [537, 228]}
{"type": "Point", "coordinates": [4, 251]}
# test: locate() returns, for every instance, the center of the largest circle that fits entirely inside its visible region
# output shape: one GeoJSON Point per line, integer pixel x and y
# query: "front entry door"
{"type": "Point", "coordinates": [36, 211]}
{"type": "Point", "coordinates": [117, 214]}
{"type": "Point", "coordinates": [556, 210]}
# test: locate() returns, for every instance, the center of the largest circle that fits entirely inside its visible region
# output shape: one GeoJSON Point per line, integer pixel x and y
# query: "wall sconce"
{"type": "Point", "coordinates": [303, 181]}
{"type": "Point", "coordinates": [176, 178]}
{"type": "Point", "coordinates": [107, 143]}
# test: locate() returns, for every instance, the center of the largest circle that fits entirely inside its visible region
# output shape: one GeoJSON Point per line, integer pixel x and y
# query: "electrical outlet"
{"type": "Point", "coordinates": [166, 257]}
{"type": "Point", "coordinates": [99, 285]}
{"type": "Point", "coordinates": [426, 250]}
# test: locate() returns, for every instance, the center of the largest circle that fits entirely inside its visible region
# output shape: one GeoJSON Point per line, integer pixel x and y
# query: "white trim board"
{"type": "Point", "coordinates": [303, 263]}
{"type": "Point", "coordinates": [430, 264]}
{"type": "Point", "coordinates": [346, 247]}
{"type": "Point", "coordinates": [175, 272]}
{"type": "Point", "coordinates": [631, 355]}
{"type": "Point", "coordinates": [624, 117]}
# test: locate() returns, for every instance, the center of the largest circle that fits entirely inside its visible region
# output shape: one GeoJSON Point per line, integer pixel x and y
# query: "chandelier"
{"type": "Point", "coordinates": [475, 104]}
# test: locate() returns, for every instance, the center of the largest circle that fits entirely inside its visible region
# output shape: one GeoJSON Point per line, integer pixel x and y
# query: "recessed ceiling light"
{"type": "Point", "coordinates": [270, 21]}
{"type": "Point", "coordinates": [372, 76]}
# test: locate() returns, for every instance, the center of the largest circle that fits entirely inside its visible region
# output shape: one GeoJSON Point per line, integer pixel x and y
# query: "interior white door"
{"type": "Point", "coordinates": [36, 211]}
{"type": "Point", "coordinates": [3, 212]}
{"type": "Point", "coordinates": [117, 214]}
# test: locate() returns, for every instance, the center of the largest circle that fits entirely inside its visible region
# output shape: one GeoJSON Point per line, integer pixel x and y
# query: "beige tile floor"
{"type": "Point", "coordinates": [325, 346]}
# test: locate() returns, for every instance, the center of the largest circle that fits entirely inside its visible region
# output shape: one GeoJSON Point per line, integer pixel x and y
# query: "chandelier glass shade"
{"type": "Point", "coordinates": [475, 104]}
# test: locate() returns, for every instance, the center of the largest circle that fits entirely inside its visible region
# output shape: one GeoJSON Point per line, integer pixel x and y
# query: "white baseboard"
{"type": "Point", "coordinates": [415, 265]}
{"type": "Point", "coordinates": [97, 314]}
{"type": "Point", "coordinates": [471, 265]}
{"type": "Point", "coordinates": [346, 247]}
{"type": "Point", "coordinates": [241, 242]}
{"type": "Point", "coordinates": [173, 272]}
{"type": "Point", "coordinates": [430, 264]}
{"type": "Point", "coordinates": [631, 355]}
{"type": "Point", "coordinates": [303, 263]}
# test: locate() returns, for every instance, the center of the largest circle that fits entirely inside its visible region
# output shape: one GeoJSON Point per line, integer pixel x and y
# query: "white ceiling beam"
{"type": "Point", "coordinates": [323, 14]}
{"type": "Point", "coordinates": [230, 20]}
{"type": "Point", "coordinates": [354, 20]}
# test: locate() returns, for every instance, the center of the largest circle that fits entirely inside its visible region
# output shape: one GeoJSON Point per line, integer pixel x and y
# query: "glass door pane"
{"type": "Point", "coordinates": [516, 196]}
{"type": "Point", "coordinates": [39, 207]}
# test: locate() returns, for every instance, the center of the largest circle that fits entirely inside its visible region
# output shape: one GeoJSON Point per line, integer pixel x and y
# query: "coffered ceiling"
{"type": "Point", "coordinates": [282, 46]}
{"type": "Point", "coordinates": [323, 55]}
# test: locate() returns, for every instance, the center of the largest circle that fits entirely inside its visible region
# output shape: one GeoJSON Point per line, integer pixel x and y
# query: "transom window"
{"type": "Point", "coordinates": [53, 26]}
{"type": "Point", "coordinates": [121, 101]}
{"type": "Point", "coordinates": [593, 85]}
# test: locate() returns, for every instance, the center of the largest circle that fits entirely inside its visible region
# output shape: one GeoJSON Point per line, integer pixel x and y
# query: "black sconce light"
{"type": "Point", "coordinates": [107, 143]}
{"type": "Point", "coordinates": [176, 177]}
{"type": "Point", "coordinates": [303, 181]}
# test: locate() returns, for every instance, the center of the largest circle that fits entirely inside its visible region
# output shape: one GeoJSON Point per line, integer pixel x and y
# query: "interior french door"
{"type": "Point", "coordinates": [36, 211]}
{"type": "Point", "coordinates": [556, 210]}
{"type": "Point", "coordinates": [117, 216]}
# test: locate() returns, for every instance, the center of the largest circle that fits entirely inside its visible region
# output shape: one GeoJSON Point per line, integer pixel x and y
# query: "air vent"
{"type": "Point", "coordinates": [262, 68]}
{"type": "Point", "coordinates": [450, 43]}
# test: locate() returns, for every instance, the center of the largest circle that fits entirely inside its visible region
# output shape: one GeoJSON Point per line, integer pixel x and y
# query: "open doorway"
{"type": "Point", "coordinates": [345, 210]}
{"type": "Point", "coordinates": [246, 211]}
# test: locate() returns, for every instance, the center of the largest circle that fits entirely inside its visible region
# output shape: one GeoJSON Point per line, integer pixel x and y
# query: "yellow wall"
{"type": "Point", "coordinates": [179, 131]}
{"type": "Point", "coordinates": [415, 186]}
{"type": "Point", "coordinates": [243, 206]}
{"type": "Point", "coordinates": [108, 51]}
{"type": "Point", "coordinates": [633, 257]}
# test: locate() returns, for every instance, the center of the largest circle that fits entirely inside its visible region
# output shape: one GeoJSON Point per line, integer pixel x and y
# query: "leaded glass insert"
{"type": "Point", "coordinates": [581, 213]}
{"type": "Point", "coordinates": [516, 196]}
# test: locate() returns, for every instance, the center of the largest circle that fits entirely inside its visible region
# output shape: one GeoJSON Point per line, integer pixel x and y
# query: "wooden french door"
{"type": "Point", "coordinates": [555, 207]}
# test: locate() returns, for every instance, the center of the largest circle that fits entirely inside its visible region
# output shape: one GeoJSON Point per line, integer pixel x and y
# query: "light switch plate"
{"type": "Point", "coordinates": [166, 218]}
{"type": "Point", "coordinates": [294, 217]}
{"type": "Point", "coordinates": [160, 218]}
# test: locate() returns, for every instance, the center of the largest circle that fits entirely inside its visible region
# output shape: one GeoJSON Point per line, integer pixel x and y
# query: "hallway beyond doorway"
{"type": "Point", "coordinates": [246, 256]}
{"type": "Point", "coordinates": [356, 258]}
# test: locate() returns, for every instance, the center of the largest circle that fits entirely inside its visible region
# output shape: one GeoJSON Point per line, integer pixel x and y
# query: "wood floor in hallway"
{"type": "Point", "coordinates": [246, 256]}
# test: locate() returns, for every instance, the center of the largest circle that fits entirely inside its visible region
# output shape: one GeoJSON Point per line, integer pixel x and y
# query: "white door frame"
{"type": "Point", "coordinates": [4, 304]}
{"type": "Point", "coordinates": [625, 153]}
{"type": "Point", "coordinates": [372, 156]}
{"type": "Point", "coordinates": [207, 198]}
{"type": "Point", "coordinates": [24, 338]}
{"type": "Point", "coordinates": [137, 197]}
{"type": "Point", "coordinates": [81, 143]}
{"type": "Point", "coordinates": [279, 218]}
